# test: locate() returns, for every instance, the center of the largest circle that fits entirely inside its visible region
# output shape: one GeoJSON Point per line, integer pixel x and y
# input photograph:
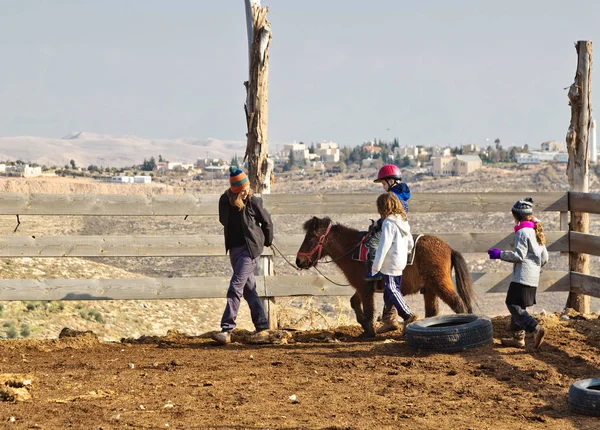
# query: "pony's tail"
{"type": "Point", "coordinates": [464, 282]}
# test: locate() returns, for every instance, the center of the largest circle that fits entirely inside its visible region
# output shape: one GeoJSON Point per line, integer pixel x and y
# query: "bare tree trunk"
{"type": "Point", "coordinates": [260, 168]}
{"type": "Point", "coordinates": [578, 167]}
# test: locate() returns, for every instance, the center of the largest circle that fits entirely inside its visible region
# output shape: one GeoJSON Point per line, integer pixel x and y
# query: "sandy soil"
{"type": "Point", "coordinates": [339, 382]}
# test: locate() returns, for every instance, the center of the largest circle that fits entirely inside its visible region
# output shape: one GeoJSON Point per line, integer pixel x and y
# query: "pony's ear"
{"type": "Point", "coordinates": [312, 224]}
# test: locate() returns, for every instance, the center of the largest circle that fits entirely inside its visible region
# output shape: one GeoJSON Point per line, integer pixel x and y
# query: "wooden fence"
{"type": "Point", "coordinates": [18, 245]}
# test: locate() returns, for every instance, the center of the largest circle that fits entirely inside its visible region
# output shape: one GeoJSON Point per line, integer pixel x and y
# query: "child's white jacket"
{"type": "Point", "coordinates": [395, 244]}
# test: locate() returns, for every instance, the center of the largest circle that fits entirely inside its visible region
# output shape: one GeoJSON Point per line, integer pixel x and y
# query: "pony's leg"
{"type": "Point", "coordinates": [368, 300]}
{"type": "Point", "coordinates": [356, 304]}
{"type": "Point", "coordinates": [446, 292]}
{"type": "Point", "coordinates": [431, 303]}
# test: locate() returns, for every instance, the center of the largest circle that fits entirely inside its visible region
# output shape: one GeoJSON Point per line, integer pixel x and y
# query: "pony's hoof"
{"type": "Point", "coordinates": [365, 335]}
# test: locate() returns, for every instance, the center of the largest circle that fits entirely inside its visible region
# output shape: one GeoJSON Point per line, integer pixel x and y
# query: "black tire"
{"type": "Point", "coordinates": [450, 333]}
{"type": "Point", "coordinates": [584, 397]}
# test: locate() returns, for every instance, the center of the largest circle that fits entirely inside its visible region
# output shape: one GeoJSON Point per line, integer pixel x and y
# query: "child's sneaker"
{"type": "Point", "coordinates": [516, 341]}
{"type": "Point", "coordinates": [411, 319]}
{"type": "Point", "coordinates": [223, 337]}
{"type": "Point", "coordinates": [388, 326]}
{"type": "Point", "coordinates": [538, 336]}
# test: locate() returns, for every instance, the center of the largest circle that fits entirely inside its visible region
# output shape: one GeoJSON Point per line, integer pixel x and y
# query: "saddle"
{"type": "Point", "coordinates": [361, 251]}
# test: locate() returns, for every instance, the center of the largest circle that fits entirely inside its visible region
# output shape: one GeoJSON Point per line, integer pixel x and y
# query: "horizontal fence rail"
{"type": "Point", "coordinates": [205, 246]}
{"type": "Point", "coordinates": [276, 204]}
{"type": "Point", "coordinates": [584, 202]}
{"type": "Point", "coordinates": [216, 287]}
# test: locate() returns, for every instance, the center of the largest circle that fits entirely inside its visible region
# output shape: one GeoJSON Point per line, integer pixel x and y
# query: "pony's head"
{"type": "Point", "coordinates": [312, 250]}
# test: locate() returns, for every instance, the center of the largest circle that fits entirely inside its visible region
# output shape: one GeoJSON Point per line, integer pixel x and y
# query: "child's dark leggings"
{"type": "Point", "coordinates": [393, 296]}
{"type": "Point", "coordinates": [520, 319]}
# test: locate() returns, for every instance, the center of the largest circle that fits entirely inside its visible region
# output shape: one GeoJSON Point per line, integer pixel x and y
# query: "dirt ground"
{"type": "Point", "coordinates": [338, 380]}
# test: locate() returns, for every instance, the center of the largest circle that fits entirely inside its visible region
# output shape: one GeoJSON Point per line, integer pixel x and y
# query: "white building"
{"type": "Point", "coordinates": [122, 179]}
{"type": "Point", "coordinates": [328, 151]}
{"type": "Point", "coordinates": [470, 149]}
{"type": "Point", "coordinates": [299, 151]}
{"type": "Point", "coordinates": [526, 158]}
{"type": "Point", "coordinates": [537, 157]}
{"type": "Point", "coordinates": [406, 151]}
{"type": "Point", "coordinates": [562, 157]}
{"type": "Point", "coordinates": [438, 151]}
{"type": "Point", "coordinates": [23, 170]}
{"type": "Point", "coordinates": [142, 179]}
{"type": "Point", "coordinates": [553, 146]}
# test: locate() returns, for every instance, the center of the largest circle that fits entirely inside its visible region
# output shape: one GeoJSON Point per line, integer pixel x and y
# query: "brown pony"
{"type": "Point", "coordinates": [431, 270]}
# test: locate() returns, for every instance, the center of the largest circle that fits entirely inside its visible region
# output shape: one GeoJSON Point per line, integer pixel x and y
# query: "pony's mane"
{"type": "Point", "coordinates": [315, 222]}
{"type": "Point", "coordinates": [310, 224]}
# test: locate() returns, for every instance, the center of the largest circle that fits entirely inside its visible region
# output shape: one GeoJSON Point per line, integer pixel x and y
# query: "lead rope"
{"type": "Point", "coordinates": [274, 247]}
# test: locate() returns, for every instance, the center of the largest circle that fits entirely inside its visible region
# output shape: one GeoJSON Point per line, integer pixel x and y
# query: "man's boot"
{"type": "Point", "coordinates": [389, 320]}
{"type": "Point", "coordinates": [517, 341]}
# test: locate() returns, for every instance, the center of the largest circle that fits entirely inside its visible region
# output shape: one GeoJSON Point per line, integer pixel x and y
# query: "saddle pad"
{"type": "Point", "coordinates": [361, 251]}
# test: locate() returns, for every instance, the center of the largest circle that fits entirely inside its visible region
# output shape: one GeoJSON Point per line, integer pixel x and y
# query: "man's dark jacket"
{"type": "Point", "coordinates": [256, 224]}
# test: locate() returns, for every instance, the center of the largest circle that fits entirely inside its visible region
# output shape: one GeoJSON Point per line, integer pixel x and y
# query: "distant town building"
{"type": "Point", "coordinates": [553, 146]}
{"type": "Point", "coordinates": [122, 179]}
{"type": "Point", "coordinates": [455, 166]}
{"type": "Point", "coordinates": [328, 152]}
{"type": "Point", "coordinates": [438, 151]}
{"type": "Point", "coordinates": [142, 179]}
{"type": "Point", "coordinates": [164, 166]}
{"type": "Point", "coordinates": [470, 149]}
{"type": "Point", "coordinates": [406, 151]}
{"type": "Point", "coordinates": [298, 150]}
{"type": "Point", "coordinates": [537, 157]}
{"type": "Point", "coordinates": [23, 170]}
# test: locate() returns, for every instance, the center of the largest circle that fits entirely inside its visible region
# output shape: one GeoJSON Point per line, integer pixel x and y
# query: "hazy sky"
{"type": "Point", "coordinates": [428, 72]}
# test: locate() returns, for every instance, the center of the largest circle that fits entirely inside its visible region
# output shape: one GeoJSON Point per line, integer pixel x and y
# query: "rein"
{"type": "Point", "coordinates": [273, 246]}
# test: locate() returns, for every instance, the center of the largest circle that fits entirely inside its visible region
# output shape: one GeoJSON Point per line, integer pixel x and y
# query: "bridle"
{"type": "Point", "coordinates": [318, 248]}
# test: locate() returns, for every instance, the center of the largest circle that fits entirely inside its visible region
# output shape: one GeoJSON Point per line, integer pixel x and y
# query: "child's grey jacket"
{"type": "Point", "coordinates": [529, 257]}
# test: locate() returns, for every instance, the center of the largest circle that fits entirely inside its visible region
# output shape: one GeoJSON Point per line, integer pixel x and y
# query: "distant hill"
{"type": "Point", "coordinates": [89, 148]}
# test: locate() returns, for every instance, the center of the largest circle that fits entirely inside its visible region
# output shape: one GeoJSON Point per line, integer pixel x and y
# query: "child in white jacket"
{"type": "Point", "coordinates": [392, 253]}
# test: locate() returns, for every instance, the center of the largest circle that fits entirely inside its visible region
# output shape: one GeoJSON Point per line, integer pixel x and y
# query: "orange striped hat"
{"type": "Point", "coordinates": [238, 180]}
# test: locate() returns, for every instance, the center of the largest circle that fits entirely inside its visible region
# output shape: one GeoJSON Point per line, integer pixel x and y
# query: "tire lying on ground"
{"type": "Point", "coordinates": [584, 397]}
{"type": "Point", "coordinates": [450, 333]}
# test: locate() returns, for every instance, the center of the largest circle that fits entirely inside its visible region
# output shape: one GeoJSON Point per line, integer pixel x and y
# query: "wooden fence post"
{"type": "Point", "coordinates": [257, 96]}
{"type": "Point", "coordinates": [578, 166]}
{"type": "Point", "coordinates": [260, 168]}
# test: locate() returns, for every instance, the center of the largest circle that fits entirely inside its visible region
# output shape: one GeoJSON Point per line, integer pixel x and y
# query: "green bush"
{"type": "Point", "coordinates": [25, 330]}
{"type": "Point", "coordinates": [92, 315]}
{"type": "Point", "coordinates": [96, 315]}
{"type": "Point", "coordinates": [12, 332]}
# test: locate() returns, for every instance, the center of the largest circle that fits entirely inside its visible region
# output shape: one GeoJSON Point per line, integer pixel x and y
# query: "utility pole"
{"type": "Point", "coordinates": [578, 165]}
